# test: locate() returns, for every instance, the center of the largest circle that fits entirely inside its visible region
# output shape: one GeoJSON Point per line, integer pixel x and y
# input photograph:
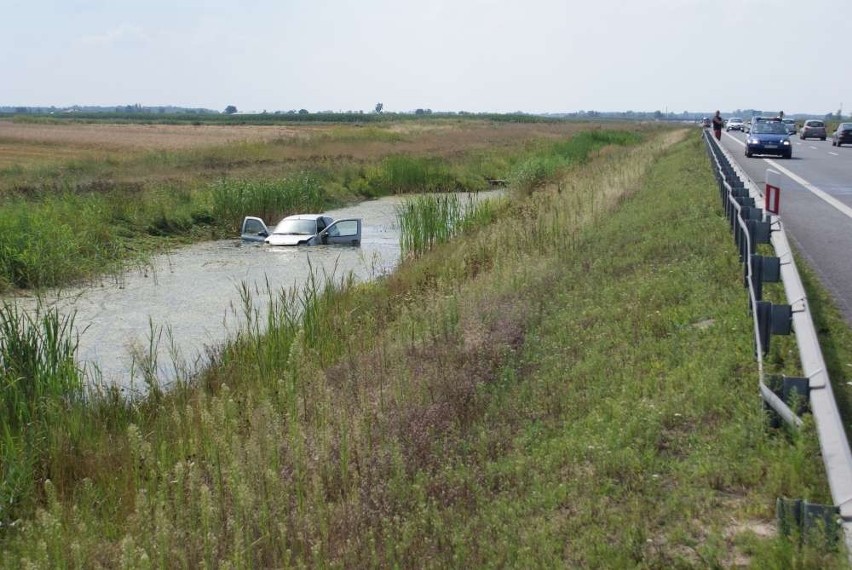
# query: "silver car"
{"type": "Point", "coordinates": [303, 229]}
{"type": "Point", "coordinates": [813, 129]}
{"type": "Point", "coordinates": [734, 124]}
{"type": "Point", "coordinates": [791, 125]}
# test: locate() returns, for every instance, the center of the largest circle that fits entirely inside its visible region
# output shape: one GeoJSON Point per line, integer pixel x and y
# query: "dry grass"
{"type": "Point", "coordinates": [28, 144]}
{"type": "Point", "coordinates": [137, 136]}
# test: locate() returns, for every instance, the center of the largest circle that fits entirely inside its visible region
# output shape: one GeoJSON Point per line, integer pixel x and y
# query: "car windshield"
{"type": "Point", "coordinates": [815, 124]}
{"type": "Point", "coordinates": [845, 126]}
{"type": "Point", "coordinates": [775, 128]}
{"type": "Point", "coordinates": [296, 227]}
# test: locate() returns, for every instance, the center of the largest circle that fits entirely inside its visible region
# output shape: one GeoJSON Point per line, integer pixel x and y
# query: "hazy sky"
{"type": "Point", "coordinates": [444, 55]}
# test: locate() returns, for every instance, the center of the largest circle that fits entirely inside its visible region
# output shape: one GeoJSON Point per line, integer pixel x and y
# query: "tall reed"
{"type": "Point", "coordinates": [430, 219]}
{"type": "Point", "coordinates": [39, 381]}
{"type": "Point", "coordinates": [268, 199]}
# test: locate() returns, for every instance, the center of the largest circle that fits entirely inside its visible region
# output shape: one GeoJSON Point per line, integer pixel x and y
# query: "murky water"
{"type": "Point", "coordinates": [189, 300]}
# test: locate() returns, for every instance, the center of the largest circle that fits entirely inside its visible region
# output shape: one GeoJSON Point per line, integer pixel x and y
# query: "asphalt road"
{"type": "Point", "coordinates": [815, 205]}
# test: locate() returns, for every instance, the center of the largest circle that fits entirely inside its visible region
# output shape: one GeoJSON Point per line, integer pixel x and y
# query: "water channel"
{"type": "Point", "coordinates": [183, 304]}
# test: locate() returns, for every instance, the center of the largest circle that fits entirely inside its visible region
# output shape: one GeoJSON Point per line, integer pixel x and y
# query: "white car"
{"type": "Point", "coordinates": [734, 124]}
{"type": "Point", "coordinates": [303, 229]}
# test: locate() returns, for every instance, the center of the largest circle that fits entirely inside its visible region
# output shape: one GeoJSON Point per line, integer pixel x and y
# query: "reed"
{"type": "Point", "coordinates": [268, 199]}
{"type": "Point", "coordinates": [428, 220]}
{"type": "Point", "coordinates": [40, 382]}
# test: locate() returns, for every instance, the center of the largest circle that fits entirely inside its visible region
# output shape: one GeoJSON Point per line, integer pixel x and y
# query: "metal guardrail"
{"type": "Point", "coordinates": [752, 225]}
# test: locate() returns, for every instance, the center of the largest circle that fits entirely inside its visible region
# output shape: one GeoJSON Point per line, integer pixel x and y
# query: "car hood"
{"type": "Point", "coordinates": [287, 239]}
{"type": "Point", "coordinates": [769, 137]}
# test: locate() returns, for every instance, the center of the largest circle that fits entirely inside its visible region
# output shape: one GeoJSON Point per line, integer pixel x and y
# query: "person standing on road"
{"type": "Point", "coordinates": [717, 126]}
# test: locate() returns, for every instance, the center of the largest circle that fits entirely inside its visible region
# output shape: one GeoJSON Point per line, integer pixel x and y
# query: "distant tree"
{"type": "Point", "coordinates": [303, 112]}
{"type": "Point", "coordinates": [419, 112]}
{"type": "Point", "coordinates": [230, 110]}
{"type": "Point", "coordinates": [379, 107]}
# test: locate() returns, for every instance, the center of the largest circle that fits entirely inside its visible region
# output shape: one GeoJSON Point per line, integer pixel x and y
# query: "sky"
{"type": "Point", "coordinates": [533, 56]}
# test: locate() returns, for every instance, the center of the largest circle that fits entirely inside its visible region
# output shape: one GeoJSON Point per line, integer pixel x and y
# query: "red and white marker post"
{"type": "Point", "coordinates": [772, 192]}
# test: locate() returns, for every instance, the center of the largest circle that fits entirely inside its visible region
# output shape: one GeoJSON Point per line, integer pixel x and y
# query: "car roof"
{"type": "Point", "coordinates": [304, 217]}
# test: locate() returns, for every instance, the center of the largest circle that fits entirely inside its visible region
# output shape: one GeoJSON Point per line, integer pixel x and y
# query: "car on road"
{"type": "Point", "coordinates": [813, 129]}
{"type": "Point", "coordinates": [768, 136]}
{"type": "Point", "coordinates": [303, 229]}
{"type": "Point", "coordinates": [747, 127]}
{"type": "Point", "coordinates": [842, 134]}
{"type": "Point", "coordinates": [734, 124]}
{"type": "Point", "coordinates": [791, 125]}
{"type": "Point", "coordinates": [705, 122]}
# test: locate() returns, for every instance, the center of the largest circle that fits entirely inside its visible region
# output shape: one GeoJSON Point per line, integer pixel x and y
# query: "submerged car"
{"type": "Point", "coordinates": [843, 134]}
{"type": "Point", "coordinates": [303, 229]}
{"type": "Point", "coordinates": [768, 137]}
{"type": "Point", "coordinates": [734, 124]}
{"type": "Point", "coordinates": [813, 129]}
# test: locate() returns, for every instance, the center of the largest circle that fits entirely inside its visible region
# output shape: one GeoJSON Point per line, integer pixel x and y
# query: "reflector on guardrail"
{"type": "Point", "coordinates": [772, 192]}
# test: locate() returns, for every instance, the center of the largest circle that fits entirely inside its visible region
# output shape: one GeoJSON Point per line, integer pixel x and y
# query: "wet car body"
{"type": "Point", "coordinates": [303, 229]}
{"type": "Point", "coordinates": [842, 135]}
{"type": "Point", "coordinates": [768, 137]}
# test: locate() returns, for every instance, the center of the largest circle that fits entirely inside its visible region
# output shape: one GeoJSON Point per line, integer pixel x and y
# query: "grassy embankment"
{"type": "Point", "coordinates": [570, 386]}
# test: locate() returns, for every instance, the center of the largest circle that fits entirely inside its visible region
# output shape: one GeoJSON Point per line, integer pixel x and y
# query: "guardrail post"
{"type": "Point", "coordinates": [764, 269]}
{"type": "Point", "coordinates": [772, 319]}
{"type": "Point", "coordinates": [810, 521]}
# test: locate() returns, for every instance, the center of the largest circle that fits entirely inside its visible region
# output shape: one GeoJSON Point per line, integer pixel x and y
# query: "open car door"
{"type": "Point", "coordinates": [254, 229]}
{"type": "Point", "coordinates": [342, 232]}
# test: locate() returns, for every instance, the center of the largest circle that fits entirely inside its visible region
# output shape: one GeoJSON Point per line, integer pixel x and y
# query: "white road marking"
{"type": "Point", "coordinates": [828, 198]}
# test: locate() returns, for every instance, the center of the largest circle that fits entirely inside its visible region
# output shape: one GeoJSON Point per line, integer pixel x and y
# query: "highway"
{"type": "Point", "coordinates": [815, 205]}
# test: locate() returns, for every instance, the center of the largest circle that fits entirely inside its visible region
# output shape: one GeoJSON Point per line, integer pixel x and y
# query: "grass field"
{"type": "Point", "coordinates": [570, 385]}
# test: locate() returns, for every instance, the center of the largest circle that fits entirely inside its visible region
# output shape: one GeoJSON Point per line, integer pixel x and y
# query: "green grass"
{"type": "Point", "coordinates": [570, 386]}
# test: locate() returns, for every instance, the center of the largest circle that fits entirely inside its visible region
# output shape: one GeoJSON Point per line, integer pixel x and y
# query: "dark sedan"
{"type": "Point", "coordinates": [768, 137]}
{"type": "Point", "coordinates": [843, 134]}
